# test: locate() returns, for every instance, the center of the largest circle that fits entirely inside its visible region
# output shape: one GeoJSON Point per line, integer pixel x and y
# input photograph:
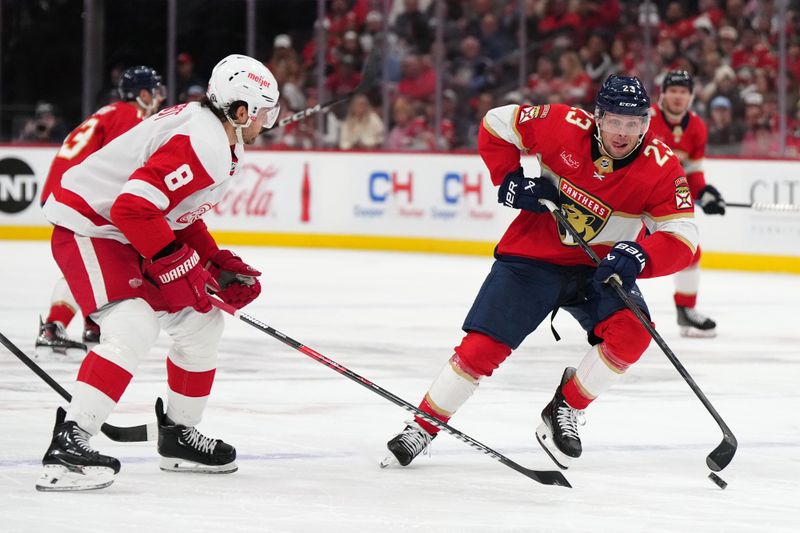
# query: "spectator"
{"type": "Point", "coordinates": [559, 19]}
{"type": "Point", "coordinates": [363, 128]}
{"type": "Point", "coordinates": [495, 43]}
{"type": "Point", "coordinates": [373, 26]}
{"type": "Point", "coordinates": [597, 62]}
{"type": "Point", "coordinates": [543, 85]}
{"type": "Point", "coordinates": [577, 85]}
{"type": "Point", "coordinates": [724, 134]}
{"type": "Point", "coordinates": [472, 24]}
{"type": "Point", "coordinates": [725, 85]}
{"type": "Point", "coordinates": [753, 110]}
{"type": "Point", "coordinates": [418, 79]}
{"type": "Point", "coordinates": [352, 47]}
{"type": "Point", "coordinates": [186, 77]}
{"type": "Point", "coordinates": [282, 54]}
{"type": "Point", "coordinates": [44, 127]}
{"type": "Point", "coordinates": [727, 41]}
{"type": "Point", "coordinates": [345, 77]}
{"type": "Point", "coordinates": [483, 103]}
{"type": "Point", "coordinates": [412, 26]}
{"type": "Point", "coordinates": [340, 19]}
{"type": "Point", "coordinates": [472, 71]}
{"type": "Point", "coordinates": [410, 131]}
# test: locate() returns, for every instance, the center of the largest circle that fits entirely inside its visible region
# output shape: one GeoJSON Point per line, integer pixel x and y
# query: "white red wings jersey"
{"type": "Point", "coordinates": [687, 139]}
{"type": "Point", "coordinates": [106, 124]}
{"type": "Point", "coordinates": [159, 177]}
{"type": "Point", "coordinates": [606, 200]}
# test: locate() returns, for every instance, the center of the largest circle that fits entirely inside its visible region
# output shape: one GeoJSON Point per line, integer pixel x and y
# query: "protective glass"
{"type": "Point", "coordinates": [623, 124]}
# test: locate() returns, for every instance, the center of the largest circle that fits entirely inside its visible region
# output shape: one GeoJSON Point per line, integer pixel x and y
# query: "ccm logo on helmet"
{"type": "Point", "coordinates": [258, 79]}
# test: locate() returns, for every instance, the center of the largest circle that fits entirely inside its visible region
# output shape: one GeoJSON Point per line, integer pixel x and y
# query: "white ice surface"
{"type": "Point", "coordinates": [309, 439]}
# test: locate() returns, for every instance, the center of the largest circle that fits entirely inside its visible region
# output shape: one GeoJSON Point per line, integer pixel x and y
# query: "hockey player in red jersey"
{"type": "Point", "coordinates": [141, 93]}
{"type": "Point", "coordinates": [684, 132]}
{"type": "Point", "coordinates": [130, 241]}
{"type": "Point", "coordinates": [609, 176]}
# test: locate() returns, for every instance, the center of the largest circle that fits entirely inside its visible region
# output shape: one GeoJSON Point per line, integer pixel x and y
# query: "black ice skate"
{"type": "Point", "coordinates": [412, 441]}
{"type": "Point", "coordinates": [558, 432]}
{"type": "Point", "coordinates": [53, 339]}
{"type": "Point", "coordinates": [91, 333]}
{"type": "Point", "coordinates": [693, 324]}
{"type": "Point", "coordinates": [184, 449]}
{"type": "Point", "coordinates": [71, 464]}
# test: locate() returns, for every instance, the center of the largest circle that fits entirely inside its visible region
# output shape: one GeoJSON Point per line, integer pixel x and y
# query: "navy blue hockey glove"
{"type": "Point", "coordinates": [625, 262]}
{"type": "Point", "coordinates": [711, 201]}
{"type": "Point", "coordinates": [520, 192]}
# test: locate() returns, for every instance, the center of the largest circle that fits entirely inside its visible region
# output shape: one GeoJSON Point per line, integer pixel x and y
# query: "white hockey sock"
{"type": "Point", "coordinates": [89, 407]}
{"type": "Point", "coordinates": [185, 410]}
{"type": "Point", "coordinates": [451, 388]}
{"type": "Point", "coordinates": [687, 281]}
{"type": "Point", "coordinates": [597, 372]}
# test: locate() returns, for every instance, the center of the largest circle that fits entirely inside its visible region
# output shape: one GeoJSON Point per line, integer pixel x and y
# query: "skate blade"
{"type": "Point", "coordinates": [59, 478]}
{"type": "Point", "coordinates": [48, 353]}
{"type": "Point", "coordinates": [389, 460]}
{"type": "Point", "coordinates": [171, 464]}
{"type": "Point", "coordinates": [545, 438]}
{"type": "Point", "coordinates": [694, 333]}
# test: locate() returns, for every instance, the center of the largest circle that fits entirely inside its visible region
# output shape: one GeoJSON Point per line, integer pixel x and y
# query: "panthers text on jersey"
{"type": "Point", "coordinates": [606, 200]}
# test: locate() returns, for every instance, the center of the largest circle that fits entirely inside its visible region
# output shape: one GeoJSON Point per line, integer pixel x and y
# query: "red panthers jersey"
{"type": "Point", "coordinates": [687, 139]}
{"type": "Point", "coordinates": [101, 128]}
{"type": "Point", "coordinates": [606, 200]}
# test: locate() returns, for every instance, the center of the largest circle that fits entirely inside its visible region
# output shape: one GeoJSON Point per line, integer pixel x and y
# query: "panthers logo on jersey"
{"type": "Point", "coordinates": [584, 212]}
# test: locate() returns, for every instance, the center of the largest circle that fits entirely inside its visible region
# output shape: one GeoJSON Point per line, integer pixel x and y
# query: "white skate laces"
{"type": "Point", "coordinates": [569, 419]}
{"type": "Point", "coordinates": [198, 441]}
{"type": "Point", "coordinates": [415, 439]}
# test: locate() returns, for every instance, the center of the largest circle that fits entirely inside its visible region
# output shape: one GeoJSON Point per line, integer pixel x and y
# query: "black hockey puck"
{"type": "Point", "coordinates": [717, 480]}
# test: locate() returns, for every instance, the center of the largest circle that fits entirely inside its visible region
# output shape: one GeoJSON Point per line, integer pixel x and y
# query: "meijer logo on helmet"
{"type": "Point", "coordinates": [258, 79]}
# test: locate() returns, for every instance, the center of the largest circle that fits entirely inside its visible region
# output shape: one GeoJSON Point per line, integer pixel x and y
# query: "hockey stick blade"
{"type": "Point", "coordinates": [369, 76]}
{"type": "Point", "coordinates": [119, 434]}
{"type": "Point", "coordinates": [545, 477]}
{"type": "Point", "coordinates": [722, 455]}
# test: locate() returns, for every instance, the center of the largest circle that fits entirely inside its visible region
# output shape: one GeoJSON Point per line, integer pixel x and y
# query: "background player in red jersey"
{"type": "Point", "coordinates": [141, 92]}
{"type": "Point", "coordinates": [685, 132]}
{"type": "Point", "coordinates": [130, 241]}
{"type": "Point", "coordinates": [608, 175]}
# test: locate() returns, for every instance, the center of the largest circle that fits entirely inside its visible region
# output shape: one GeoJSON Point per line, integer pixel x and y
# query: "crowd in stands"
{"type": "Point", "coordinates": [729, 46]}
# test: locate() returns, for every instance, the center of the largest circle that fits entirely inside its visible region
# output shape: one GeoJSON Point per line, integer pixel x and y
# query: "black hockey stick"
{"type": "Point", "coordinates": [120, 434]}
{"type": "Point", "coordinates": [758, 206]}
{"type": "Point", "coordinates": [722, 455]}
{"type": "Point", "coordinates": [370, 73]}
{"type": "Point", "coordinates": [545, 477]}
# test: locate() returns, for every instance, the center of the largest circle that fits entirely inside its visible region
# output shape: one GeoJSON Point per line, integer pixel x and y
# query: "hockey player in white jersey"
{"type": "Point", "coordinates": [131, 244]}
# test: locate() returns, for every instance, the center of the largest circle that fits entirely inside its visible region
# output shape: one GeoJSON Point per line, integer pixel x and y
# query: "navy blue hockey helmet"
{"type": "Point", "coordinates": [134, 79]}
{"type": "Point", "coordinates": [623, 95]}
{"type": "Point", "coordinates": [679, 78]}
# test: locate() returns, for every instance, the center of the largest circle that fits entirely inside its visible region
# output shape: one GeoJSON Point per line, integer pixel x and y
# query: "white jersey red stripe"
{"type": "Point", "coordinates": [183, 168]}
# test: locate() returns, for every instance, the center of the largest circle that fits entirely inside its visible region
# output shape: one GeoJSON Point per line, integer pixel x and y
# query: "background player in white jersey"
{"type": "Point", "coordinates": [131, 244]}
{"type": "Point", "coordinates": [141, 93]}
{"type": "Point", "coordinates": [685, 132]}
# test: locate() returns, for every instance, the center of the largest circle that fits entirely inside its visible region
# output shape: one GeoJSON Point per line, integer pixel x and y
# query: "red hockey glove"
{"type": "Point", "coordinates": [238, 281]}
{"type": "Point", "coordinates": [181, 280]}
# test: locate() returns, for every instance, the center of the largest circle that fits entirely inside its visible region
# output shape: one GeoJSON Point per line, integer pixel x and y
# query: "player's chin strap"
{"type": "Point", "coordinates": [148, 109]}
{"type": "Point", "coordinates": [238, 127]}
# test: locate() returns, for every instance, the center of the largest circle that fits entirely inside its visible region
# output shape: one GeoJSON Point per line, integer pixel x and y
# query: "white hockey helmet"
{"type": "Point", "coordinates": [239, 78]}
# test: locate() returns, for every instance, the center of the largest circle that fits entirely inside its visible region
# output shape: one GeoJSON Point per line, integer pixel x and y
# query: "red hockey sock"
{"type": "Point", "coordinates": [60, 312]}
{"type": "Point", "coordinates": [426, 407]}
{"type": "Point", "coordinates": [685, 300]}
